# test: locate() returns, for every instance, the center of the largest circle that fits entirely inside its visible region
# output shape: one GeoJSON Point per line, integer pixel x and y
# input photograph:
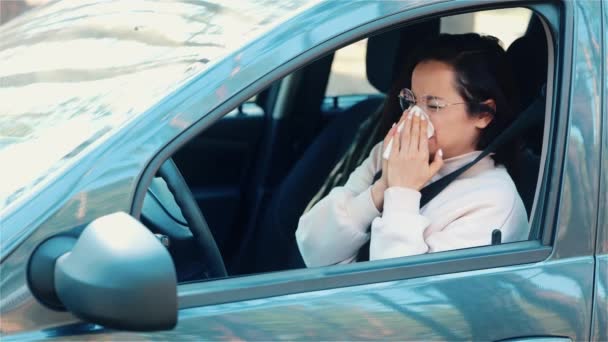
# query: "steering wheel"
{"type": "Point", "coordinates": [212, 258]}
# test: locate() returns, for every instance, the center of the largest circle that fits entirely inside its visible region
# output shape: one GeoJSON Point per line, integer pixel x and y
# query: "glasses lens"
{"type": "Point", "coordinates": [405, 104]}
{"type": "Point", "coordinates": [406, 99]}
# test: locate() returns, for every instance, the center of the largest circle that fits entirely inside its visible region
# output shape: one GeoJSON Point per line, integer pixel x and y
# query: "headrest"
{"type": "Point", "coordinates": [387, 51]}
{"type": "Point", "coordinates": [528, 57]}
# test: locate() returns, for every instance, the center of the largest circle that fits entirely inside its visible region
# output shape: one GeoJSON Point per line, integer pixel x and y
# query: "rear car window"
{"type": "Point", "coordinates": [506, 24]}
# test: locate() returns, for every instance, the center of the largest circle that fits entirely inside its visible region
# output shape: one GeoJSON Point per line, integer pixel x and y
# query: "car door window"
{"type": "Point", "coordinates": [347, 79]}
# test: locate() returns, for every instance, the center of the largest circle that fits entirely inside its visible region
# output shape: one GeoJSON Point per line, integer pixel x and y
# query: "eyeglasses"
{"type": "Point", "coordinates": [407, 99]}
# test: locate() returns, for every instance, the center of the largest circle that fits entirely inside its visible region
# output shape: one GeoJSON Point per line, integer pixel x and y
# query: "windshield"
{"type": "Point", "coordinates": [72, 72]}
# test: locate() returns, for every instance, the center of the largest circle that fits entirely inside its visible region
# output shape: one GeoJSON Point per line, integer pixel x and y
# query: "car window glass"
{"type": "Point", "coordinates": [348, 75]}
{"type": "Point", "coordinates": [80, 83]}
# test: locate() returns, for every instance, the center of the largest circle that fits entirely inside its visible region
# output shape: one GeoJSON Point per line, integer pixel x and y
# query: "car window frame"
{"type": "Point", "coordinates": [558, 22]}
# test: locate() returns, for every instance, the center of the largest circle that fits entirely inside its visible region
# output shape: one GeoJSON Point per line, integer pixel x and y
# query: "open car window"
{"type": "Point", "coordinates": [262, 163]}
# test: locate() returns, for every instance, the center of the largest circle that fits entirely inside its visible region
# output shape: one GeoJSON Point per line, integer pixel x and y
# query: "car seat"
{"type": "Point", "coordinates": [528, 56]}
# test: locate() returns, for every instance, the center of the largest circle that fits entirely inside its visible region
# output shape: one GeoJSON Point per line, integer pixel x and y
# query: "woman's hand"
{"type": "Point", "coordinates": [408, 165]}
{"type": "Point", "coordinates": [382, 184]}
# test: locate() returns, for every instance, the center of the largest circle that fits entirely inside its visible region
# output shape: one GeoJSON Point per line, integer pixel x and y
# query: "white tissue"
{"type": "Point", "coordinates": [430, 131]}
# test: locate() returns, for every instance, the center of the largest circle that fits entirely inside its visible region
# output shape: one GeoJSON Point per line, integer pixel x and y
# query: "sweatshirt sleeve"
{"type": "Point", "coordinates": [400, 230]}
{"type": "Point", "coordinates": [334, 229]}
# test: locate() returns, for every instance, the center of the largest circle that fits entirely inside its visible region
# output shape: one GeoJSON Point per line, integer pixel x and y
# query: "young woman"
{"type": "Point", "coordinates": [463, 84]}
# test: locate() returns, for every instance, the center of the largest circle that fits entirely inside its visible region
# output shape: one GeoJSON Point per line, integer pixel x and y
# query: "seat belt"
{"type": "Point", "coordinates": [526, 119]}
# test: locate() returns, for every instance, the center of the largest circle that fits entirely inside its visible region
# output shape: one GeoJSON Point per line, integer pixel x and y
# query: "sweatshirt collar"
{"type": "Point", "coordinates": [452, 164]}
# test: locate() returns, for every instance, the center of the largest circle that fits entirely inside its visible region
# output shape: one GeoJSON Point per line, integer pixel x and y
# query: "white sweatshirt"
{"type": "Point", "coordinates": [463, 215]}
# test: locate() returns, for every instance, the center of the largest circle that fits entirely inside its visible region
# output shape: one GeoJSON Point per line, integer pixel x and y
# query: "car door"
{"type": "Point", "coordinates": [537, 288]}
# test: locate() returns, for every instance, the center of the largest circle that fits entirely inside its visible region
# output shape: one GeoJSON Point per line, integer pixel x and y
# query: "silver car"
{"type": "Point", "coordinates": [146, 149]}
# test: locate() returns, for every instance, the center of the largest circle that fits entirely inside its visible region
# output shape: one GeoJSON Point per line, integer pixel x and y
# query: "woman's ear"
{"type": "Point", "coordinates": [485, 117]}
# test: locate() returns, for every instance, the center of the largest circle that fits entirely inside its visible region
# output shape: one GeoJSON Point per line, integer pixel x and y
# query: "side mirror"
{"type": "Point", "coordinates": [116, 274]}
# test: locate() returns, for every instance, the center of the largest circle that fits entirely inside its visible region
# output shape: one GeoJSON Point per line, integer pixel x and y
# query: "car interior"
{"type": "Point", "coordinates": [251, 174]}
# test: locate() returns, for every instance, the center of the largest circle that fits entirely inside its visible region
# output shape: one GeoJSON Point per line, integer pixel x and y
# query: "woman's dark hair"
{"type": "Point", "coordinates": [482, 72]}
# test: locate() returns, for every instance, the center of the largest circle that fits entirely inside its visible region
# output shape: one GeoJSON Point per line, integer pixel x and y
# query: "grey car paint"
{"type": "Point", "coordinates": [600, 304]}
{"type": "Point", "coordinates": [551, 297]}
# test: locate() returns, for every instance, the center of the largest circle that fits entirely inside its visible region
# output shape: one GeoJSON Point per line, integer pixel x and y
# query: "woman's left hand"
{"type": "Point", "coordinates": [408, 164]}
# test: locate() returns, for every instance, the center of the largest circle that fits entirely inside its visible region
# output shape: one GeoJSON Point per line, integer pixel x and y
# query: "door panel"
{"type": "Point", "coordinates": [215, 166]}
{"type": "Point", "coordinates": [548, 299]}
{"type": "Point", "coordinates": [600, 303]}
{"type": "Point", "coordinates": [539, 300]}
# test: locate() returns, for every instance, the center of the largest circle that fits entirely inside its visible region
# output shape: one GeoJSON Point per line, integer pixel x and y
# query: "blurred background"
{"type": "Point", "coordinates": [10, 9]}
